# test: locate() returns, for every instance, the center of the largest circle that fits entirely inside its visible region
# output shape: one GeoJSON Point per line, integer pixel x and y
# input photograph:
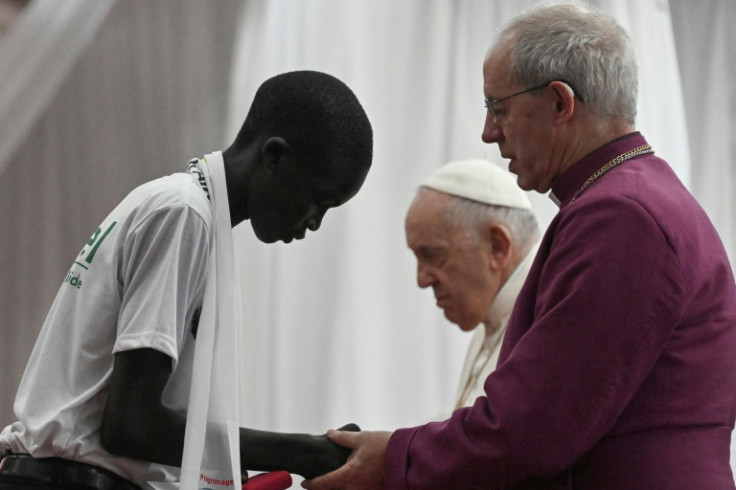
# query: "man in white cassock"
{"type": "Point", "coordinates": [474, 235]}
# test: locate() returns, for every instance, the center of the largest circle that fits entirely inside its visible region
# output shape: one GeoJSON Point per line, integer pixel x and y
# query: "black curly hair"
{"type": "Point", "coordinates": [317, 114]}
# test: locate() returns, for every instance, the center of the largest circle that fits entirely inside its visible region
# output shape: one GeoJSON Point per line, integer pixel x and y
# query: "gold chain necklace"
{"type": "Point", "coordinates": [613, 163]}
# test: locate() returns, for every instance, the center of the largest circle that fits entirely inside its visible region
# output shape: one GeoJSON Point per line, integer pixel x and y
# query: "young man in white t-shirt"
{"type": "Point", "coordinates": [104, 396]}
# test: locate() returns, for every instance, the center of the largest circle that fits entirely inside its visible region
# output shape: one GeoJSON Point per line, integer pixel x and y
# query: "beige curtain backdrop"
{"type": "Point", "coordinates": [337, 329]}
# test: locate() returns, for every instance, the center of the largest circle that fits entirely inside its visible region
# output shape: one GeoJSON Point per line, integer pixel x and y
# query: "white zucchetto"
{"type": "Point", "coordinates": [479, 180]}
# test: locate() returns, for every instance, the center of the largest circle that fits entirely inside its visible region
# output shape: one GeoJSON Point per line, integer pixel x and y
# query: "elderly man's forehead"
{"type": "Point", "coordinates": [427, 197]}
{"type": "Point", "coordinates": [497, 65]}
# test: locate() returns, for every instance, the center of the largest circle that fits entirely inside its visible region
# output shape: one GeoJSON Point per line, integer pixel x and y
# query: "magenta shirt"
{"type": "Point", "coordinates": [618, 369]}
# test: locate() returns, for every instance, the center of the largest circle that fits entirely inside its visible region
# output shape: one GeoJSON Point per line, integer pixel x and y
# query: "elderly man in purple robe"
{"type": "Point", "coordinates": [618, 367]}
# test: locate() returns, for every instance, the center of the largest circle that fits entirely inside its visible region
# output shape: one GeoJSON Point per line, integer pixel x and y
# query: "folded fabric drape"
{"type": "Point", "coordinates": [211, 445]}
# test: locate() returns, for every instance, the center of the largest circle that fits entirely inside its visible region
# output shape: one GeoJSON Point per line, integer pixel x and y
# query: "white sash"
{"type": "Point", "coordinates": [211, 445]}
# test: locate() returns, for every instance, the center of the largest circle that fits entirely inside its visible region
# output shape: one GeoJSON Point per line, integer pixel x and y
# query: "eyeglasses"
{"type": "Point", "coordinates": [490, 103]}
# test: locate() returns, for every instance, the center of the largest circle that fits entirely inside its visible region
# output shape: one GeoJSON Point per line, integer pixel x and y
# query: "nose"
{"type": "Point", "coordinates": [425, 278]}
{"type": "Point", "coordinates": [315, 220]}
{"type": "Point", "coordinates": [491, 130]}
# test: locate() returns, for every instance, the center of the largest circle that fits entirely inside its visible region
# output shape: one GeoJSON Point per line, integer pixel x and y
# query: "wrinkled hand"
{"type": "Point", "coordinates": [327, 455]}
{"type": "Point", "coordinates": [365, 468]}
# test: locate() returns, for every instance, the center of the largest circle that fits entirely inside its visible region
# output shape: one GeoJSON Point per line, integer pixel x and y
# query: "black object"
{"type": "Point", "coordinates": [61, 472]}
{"type": "Point", "coordinates": [302, 454]}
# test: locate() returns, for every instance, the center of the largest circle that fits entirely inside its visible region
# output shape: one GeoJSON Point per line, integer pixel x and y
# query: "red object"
{"type": "Point", "coordinates": [275, 480]}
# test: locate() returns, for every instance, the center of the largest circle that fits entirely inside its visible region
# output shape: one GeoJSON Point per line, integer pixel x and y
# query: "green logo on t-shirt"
{"type": "Point", "coordinates": [94, 243]}
{"type": "Point", "coordinates": [85, 257]}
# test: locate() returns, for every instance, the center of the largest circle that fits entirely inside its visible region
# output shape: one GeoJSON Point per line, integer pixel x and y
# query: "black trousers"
{"type": "Point", "coordinates": [21, 471]}
{"type": "Point", "coordinates": [8, 485]}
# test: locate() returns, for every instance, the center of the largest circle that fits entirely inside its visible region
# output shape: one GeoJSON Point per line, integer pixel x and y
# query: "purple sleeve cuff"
{"type": "Point", "coordinates": [397, 459]}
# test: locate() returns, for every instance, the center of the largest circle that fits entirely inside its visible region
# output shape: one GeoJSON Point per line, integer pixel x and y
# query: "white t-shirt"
{"type": "Point", "coordinates": [136, 284]}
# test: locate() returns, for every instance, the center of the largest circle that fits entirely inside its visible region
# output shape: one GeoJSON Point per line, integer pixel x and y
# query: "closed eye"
{"type": "Point", "coordinates": [500, 112]}
{"type": "Point", "coordinates": [435, 257]}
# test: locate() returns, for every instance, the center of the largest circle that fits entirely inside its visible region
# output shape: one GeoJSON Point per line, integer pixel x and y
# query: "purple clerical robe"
{"type": "Point", "coordinates": [618, 369]}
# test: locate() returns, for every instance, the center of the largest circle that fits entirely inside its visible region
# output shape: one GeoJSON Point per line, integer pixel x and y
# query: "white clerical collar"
{"type": "Point", "coordinates": [503, 303]}
{"type": "Point", "coordinates": [554, 198]}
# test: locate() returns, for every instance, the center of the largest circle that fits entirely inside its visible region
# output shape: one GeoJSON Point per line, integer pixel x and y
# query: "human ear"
{"type": "Point", "coordinates": [500, 240]}
{"type": "Point", "coordinates": [565, 100]}
{"type": "Point", "coordinates": [274, 149]}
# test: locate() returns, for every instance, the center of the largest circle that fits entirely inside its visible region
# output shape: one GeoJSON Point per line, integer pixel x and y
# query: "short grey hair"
{"type": "Point", "coordinates": [581, 45]}
{"type": "Point", "coordinates": [474, 217]}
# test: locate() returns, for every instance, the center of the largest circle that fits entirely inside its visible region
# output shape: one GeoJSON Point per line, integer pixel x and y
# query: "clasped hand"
{"type": "Point", "coordinates": [365, 467]}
